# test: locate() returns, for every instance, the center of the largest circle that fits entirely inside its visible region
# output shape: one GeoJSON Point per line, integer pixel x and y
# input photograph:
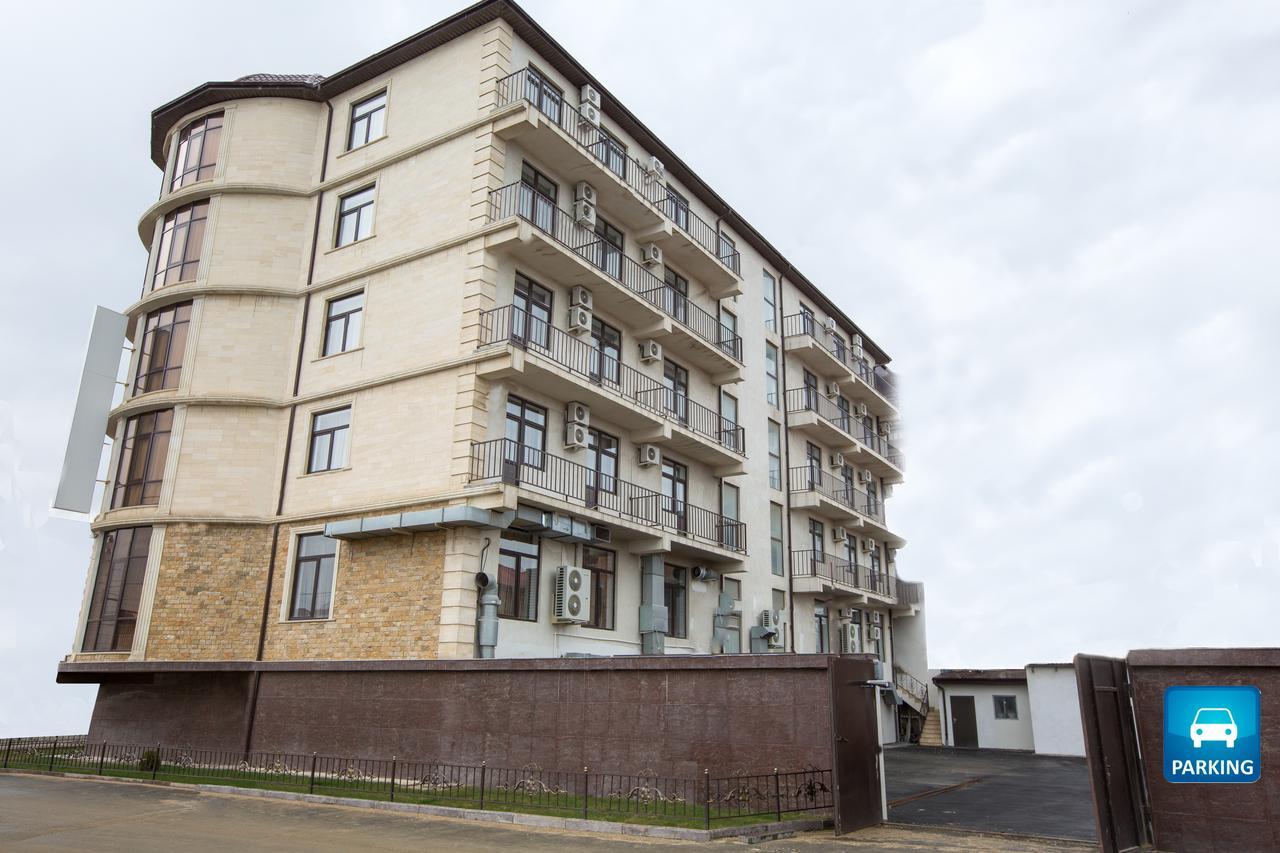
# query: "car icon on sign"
{"type": "Point", "coordinates": [1214, 724]}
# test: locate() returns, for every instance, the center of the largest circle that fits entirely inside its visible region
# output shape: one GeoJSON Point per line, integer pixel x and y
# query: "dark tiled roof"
{"type": "Point", "coordinates": [981, 675]}
{"type": "Point", "coordinates": [308, 79]}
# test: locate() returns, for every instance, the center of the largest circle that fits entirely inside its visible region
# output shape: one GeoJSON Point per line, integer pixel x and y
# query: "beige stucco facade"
{"type": "Point", "coordinates": [429, 379]}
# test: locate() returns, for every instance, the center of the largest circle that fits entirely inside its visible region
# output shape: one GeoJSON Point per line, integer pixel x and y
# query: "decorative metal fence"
{"type": "Point", "coordinates": [603, 796]}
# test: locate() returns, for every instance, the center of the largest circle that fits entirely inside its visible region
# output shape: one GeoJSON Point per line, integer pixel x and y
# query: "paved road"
{"type": "Point", "coordinates": [997, 791]}
{"type": "Point", "coordinates": [45, 813]}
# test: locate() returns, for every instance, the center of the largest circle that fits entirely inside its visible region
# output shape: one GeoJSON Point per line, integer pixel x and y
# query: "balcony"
{"type": "Point", "coordinates": [815, 571]}
{"type": "Point", "coordinates": [634, 511]}
{"type": "Point", "coordinates": [549, 242]}
{"type": "Point", "coordinates": [633, 193]}
{"type": "Point", "coordinates": [570, 368]}
{"type": "Point", "coordinates": [840, 502]}
{"type": "Point", "coordinates": [830, 358]}
{"type": "Point", "coordinates": [820, 417]}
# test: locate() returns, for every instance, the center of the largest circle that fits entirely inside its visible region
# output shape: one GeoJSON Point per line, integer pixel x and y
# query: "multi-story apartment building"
{"type": "Point", "coordinates": [454, 314]}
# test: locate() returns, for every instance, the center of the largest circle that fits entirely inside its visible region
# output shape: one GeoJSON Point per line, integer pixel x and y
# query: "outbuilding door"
{"type": "Point", "coordinates": [854, 721]}
{"type": "Point", "coordinates": [964, 722]}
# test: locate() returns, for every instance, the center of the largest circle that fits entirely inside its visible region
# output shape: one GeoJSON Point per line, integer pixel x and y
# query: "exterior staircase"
{"type": "Point", "coordinates": [931, 733]}
{"type": "Point", "coordinates": [912, 690]}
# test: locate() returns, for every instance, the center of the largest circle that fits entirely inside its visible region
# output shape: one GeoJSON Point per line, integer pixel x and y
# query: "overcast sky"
{"type": "Point", "coordinates": [1059, 218]}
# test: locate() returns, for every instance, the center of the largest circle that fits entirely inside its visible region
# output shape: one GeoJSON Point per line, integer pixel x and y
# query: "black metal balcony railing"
{"type": "Point", "coordinates": [913, 686]}
{"type": "Point", "coordinates": [522, 201]}
{"type": "Point", "coordinates": [513, 325]}
{"type": "Point", "coordinates": [506, 461]}
{"type": "Point", "coordinates": [842, 572]}
{"type": "Point", "coordinates": [801, 325]}
{"type": "Point", "coordinates": [523, 86]}
{"type": "Point", "coordinates": [811, 400]}
{"type": "Point", "coordinates": [814, 479]}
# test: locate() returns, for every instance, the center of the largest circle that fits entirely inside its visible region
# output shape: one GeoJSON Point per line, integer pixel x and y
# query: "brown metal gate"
{"type": "Point", "coordinates": [1111, 747]}
{"type": "Point", "coordinates": [856, 751]}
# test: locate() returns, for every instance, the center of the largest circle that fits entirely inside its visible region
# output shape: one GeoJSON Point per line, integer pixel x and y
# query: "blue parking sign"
{"type": "Point", "coordinates": [1212, 734]}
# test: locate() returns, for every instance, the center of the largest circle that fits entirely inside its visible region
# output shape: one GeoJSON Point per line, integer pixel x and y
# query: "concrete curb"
{"type": "Point", "coordinates": [673, 833]}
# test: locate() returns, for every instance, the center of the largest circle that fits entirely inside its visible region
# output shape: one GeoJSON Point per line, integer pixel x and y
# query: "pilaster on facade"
{"type": "Point", "coordinates": [464, 548]}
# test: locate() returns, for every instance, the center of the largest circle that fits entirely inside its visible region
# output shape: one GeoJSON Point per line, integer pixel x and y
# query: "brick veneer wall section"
{"type": "Point", "coordinates": [673, 715]}
{"type": "Point", "coordinates": [1237, 818]}
{"type": "Point", "coordinates": [204, 710]}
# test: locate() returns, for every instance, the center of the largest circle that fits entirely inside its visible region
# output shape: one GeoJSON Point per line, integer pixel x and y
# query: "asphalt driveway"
{"type": "Point", "coordinates": [990, 790]}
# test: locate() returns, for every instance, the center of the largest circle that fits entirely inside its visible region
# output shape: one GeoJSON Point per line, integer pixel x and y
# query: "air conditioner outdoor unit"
{"type": "Point", "coordinates": [873, 632]}
{"type": "Point", "coordinates": [651, 254]}
{"type": "Point", "coordinates": [886, 428]}
{"type": "Point", "coordinates": [856, 341]}
{"type": "Point", "coordinates": [874, 617]}
{"type": "Point", "coordinates": [837, 461]}
{"type": "Point", "coordinates": [580, 297]}
{"type": "Point", "coordinates": [656, 169]}
{"type": "Point", "coordinates": [589, 115]}
{"type": "Point", "coordinates": [648, 455]}
{"type": "Point", "coordinates": [601, 533]}
{"type": "Point", "coordinates": [772, 621]}
{"type": "Point", "coordinates": [856, 350]}
{"type": "Point", "coordinates": [829, 326]}
{"type": "Point", "coordinates": [861, 410]}
{"type": "Point", "coordinates": [849, 638]}
{"type": "Point", "coordinates": [839, 534]}
{"type": "Point", "coordinates": [579, 321]}
{"type": "Point", "coordinates": [650, 351]}
{"type": "Point", "coordinates": [868, 545]}
{"type": "Point", "coordinates": [575, 437]}
{"type": "Point", "coordinates": [573, 595]}
{"type": "Point", "coordinates": [887, 491]}
{"type": "Point", "coordinates": [584, 213]}
{"type": "Point", "coordinates": [578, 413]}
{"type": "Point", "coordinates": [864, 475]}
{"type": "Point", "coordinates": [583, 191]}
{"type": "Point", "coordinates": [589, 94]}
{"type": "Point", "coordinates": [833, 390]}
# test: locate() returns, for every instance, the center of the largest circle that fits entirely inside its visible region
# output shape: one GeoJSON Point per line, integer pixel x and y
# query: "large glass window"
{"type": "Point", "coordinates": [343, 318]}
{"type": "Point", "coordinates": [817, 539]}
{"type": "Point", "coordinates": [330, 440]}
{"type": "Point", "coordinates": [537, 198]}
{"type": "Point", "coordinates": [610, 150]}
{"type": "Point", "coordinates": [518, 576]}
{"type": "Point", "coordinates": [727, 248]}
{"type": "Point", "coordinates": [532, 301]}
{"type": "Point", "coordinates": [675, 492]}
{"type": "Point", "coordinates": [606, 343]}
{"type": "Point", "coordinates": [770, 288]}
{"type": "Point", "coordinates": [675, 379]}
{"type": "Point", "coordinates": [368, 120]}
{"type": "Point", "coordinates": [355, 216]}
{"type": "Point", "coordinates": [728, 420]}
{"type": "Point", "coordinates": [602, 462]}
{"type": "Point", "coordinates": [543, 94]}
{"type": "Point", "coordinates": [775, 539]}
{"type": "Point", "coordinates": [526, 432]}
{"type": "Point", "coordinates": [117, 590]}
{"type": "Point", "coordinates": [677, 207]}
{"type": "Point", "coordinates": [144, 451]}
{"type": "Point", "coordinates": [164, 340]}
{"type": "Point", "coordinates": [676, 294]}
{"type": "Point", "coordinates": [181, 238]}
{"type": "Point", "coordinates": [821, 629]}
{"type": "Point", "coordinates": [313, 577]}
{"type": "Point", "coordinates": [771, 374]}
{"type": "Point", "coordinates": [729, 332]}
{"type": "Point", "coordinates": [611, 246]}
{"type": "Point", "coordinates": [197, 156]}
{"type": "Point", "coordinates": [675, 595]}
{"type": "Point", "coordinates": [603, 565]}
{"type": "Point", "coordinates": [729, 499]}
{"type": "Point", "coordinates": [775, 455]}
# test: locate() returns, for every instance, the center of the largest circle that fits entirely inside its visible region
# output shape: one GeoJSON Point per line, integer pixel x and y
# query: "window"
{"type": "Point", "coordinates": [842, 403]}
{"type": "Point", "coordinates": [143, 454]}
{"type": "Point", "coordinates": [730, 624]}
{"type": "Point", "coordinates": [518, 576]}
{"type": "Point", "coordinates": [775, 540]}
{"type": "Point", "coordinates": [810, 391]}
{"type": "Point", "coordinates": [313, 577]}
{"type": "Point", "coordinates": [1006, 707]}
{"type": "Point", "coordinates": [817, 540]}
{"type": "Point", "coordinates": [602, 463]}
{"type": "Point", "coordinates": [728, 249]}
{"type": "Point", "coordinates": [779, 600]}
{"type": "Point", "coordinates": [821, 629]}
{"type": "Point", "coordinates": [875, 561]}
{"type": "Point", "coordinates": [676, 294]}
{"type": "Point", "coordinates": [355, 216]}
{"type": "Point", "coordinates": [543, 94]}
{"type": "Point", "coordinates": [330, 436]}
{"type": "Point", "coordinates": [813, 459]}
{"type": "Point", "coordinates": [197, 155]}
{"type": "Point", "coordinates": [775, 455]}
{"type": "Point", "coordinates": [771, 374]}
{"type": "Point", "coordinates": [729, 332]}
{"type": "Point", "coordinates": [610, 151]}
{"type": "Point", "coordinates": [368, 120]}
{"type": "Point", "coordinates": [602, 564]}
{"type": "Point", "coordinates": [537, 197]}
{"type": "Point", "coordinates": [770, 302]}
{"type": "Point", "coordinates": [677, 208]}
{"type": "Point", "coordinates": [343, 317]}
{"type": "Point", "coordinates": [675, 492]}
{"type": "Point", "coordinates": [163, 343]}
{"type": "Point", "coordinates": [730, 532]}
{"type": "Point", "coordinates": [532, 320]}
{"type": "Point", "coordinates": [675, 594]}
{"type": "Point", "coordinates": [117, 590]}
{"type": "Point", "coordinates": [806, 319]}
{"type": "Point", "coordinates": [181, 239]}
{"type": "Point", "coordinates": [676, 381]}
{"type": "Point", "coordinates": [606, 351]}
{"type": "Point", "coordinates": [526, 432]}
{"type": "Point", "coordinates": [728, 420]}
{"type": "Point", "coordinates": [610, 247]}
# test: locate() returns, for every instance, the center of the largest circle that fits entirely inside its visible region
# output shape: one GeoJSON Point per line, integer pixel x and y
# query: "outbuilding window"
{"type": "Point", "coordinates": [1006, 707]}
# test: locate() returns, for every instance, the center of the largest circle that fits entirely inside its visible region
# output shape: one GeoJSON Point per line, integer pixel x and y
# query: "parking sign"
{"type": "Point", "coordinates": [1212, 734]}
